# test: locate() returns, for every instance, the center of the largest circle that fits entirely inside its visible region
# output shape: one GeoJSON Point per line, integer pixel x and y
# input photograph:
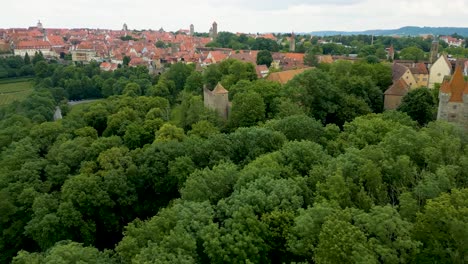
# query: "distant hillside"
{"type": "Point", "coordinates": [405, 31]}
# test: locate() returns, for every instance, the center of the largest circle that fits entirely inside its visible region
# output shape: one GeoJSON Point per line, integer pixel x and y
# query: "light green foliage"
{"type": "Point", "coordinates": [171, 233]}
{"type": "Point", "coordinates": [192, 110]}
{"type": "Point", "coordinates": [210, 185]}
{"type": "Point", "coordinates": [301, 156]}
{"type": "Point", "coordinates": [194, 83]}
{"type": "Point", "coordinates": [304, 236]}
{"type": "Point", "coordinates": [249, 143]}
{"type": "Point", "coordinates": [284, 107]}
{"type": "Point", "coordinates": [412, 53]}
{"type": "Point", "coordinates": [366, 130]}
{"type": "Point", "coordinates": [247, 109]}
{"type": "Point", "coordinates": [388, 235]}
{"type": "Point", "coordinates": [203, 129]}
{"type": "Point", "coordinates": [298, 127]}
{"type": "Point", "coordinates": [65, 252]}
{"type": "Point", "coordinates": [169, 132]}
{"type": "Point", "coordinates": [132, 89]}
{"type": "Point", "coordinates": [341, 242]}
{"type": "Point", "coordinates": [17, 91]}
{"type": "Point", "coordinates": [443, 228]}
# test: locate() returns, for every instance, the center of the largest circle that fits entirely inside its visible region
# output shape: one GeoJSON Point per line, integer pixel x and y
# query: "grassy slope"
{"type": "Point", "coordinates": [10, 92]}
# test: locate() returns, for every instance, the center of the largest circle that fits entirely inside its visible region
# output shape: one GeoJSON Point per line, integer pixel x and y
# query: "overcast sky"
{"type": "Point", "coordinates": [236, 15]}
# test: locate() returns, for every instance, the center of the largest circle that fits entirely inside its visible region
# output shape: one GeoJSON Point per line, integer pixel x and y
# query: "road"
{"type": "Point", "coordinates": [72, 103]}
{"type": "Point", "coordinates": [58, 111]}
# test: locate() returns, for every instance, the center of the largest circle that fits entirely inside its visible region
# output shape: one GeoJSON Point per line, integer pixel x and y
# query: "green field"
{"type": "Point", "coordinates": [15, 91]}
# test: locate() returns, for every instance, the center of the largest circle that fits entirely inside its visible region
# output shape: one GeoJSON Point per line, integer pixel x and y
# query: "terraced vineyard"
{"type": "Point", "coordinates": [14, 91]}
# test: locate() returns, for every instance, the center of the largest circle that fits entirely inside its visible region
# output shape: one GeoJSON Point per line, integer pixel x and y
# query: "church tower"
{"type": "Point", "coordinates": [434, 50]}
{"type": "Point", "coordinates": [391, 53]}
{"type": "Point", "coordinates": [292, 43]}
{"type": "Point", "coordinates": [39, 25]}
{"type": "Point", "coordinates": [214, 30]}
{"type": "Point", "coordinates": [124, 27]}
{"type": "Point", "coordinates": [192, 29]}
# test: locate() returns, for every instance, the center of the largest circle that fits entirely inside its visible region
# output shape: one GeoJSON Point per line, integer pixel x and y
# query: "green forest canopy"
{"type": "Point", "coordinates": [149, 175]}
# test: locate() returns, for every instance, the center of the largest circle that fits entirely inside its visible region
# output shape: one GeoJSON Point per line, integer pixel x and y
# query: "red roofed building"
{"type": "Point", "coordinates": [452, 41]}
{"type": "Point", "coordinates": [217, 56]}
{"type": "Point", "coordinates": [137, 62]}
{"type": "Point", "coordinates": [56, 41]}
{"type": "Point", "coordinates": [268, 36]}
{"type": "Point", "coordinates": [453, 100]}
{"type": "Point", "coordinates": [395, 94]}
{"type": "Point", "coordinates": [108, 66]}
{"type": "Point", "coordinates": [84, 52]}
{"type": "Point", "coordinates": [32, 46]}
{"type": "Point", "coordinates": [262, 71]}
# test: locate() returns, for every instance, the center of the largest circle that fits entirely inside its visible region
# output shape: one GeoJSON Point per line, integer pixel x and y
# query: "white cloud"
{"type": "Point", "coordinates": [238, 15]}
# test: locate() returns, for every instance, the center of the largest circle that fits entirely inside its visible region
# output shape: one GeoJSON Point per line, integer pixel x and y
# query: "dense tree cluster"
{"type": "Point", "coordinates": [233, 41]}
{"type": "Point", "coordinates": [300, 173]}
{"type": "Point", "coordinates": [16, 66]}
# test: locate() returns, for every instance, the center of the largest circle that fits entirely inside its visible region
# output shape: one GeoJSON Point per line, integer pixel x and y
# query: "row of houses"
{"type": "Point", "coordinates": [408, 76]}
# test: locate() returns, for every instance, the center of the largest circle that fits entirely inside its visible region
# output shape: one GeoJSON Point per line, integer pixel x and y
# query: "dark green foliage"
{"type": "Point", "coordinates": [420, 105]}
{"type": "Point", "coordinates": [247, 109]}
{"type": "Point", "coordinates": [310, 58]}
{"type": "Point", "coordinates": [412, 53]}
{"type": "Point", "coordinates": [264, 58]}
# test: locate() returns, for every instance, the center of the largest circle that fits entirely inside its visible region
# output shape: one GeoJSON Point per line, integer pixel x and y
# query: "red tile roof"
{"type": "Point", "coordinates": [420, 68]}
{"type": "Point", "coordinates": [399, 88]}
{"type": "Point", "coordinates": [33, 44]}
{"type": "Point", "coordinates": [284, 76]}
{"type": "Point", "coordinates": [219, 89]}
{"type": "Point", "coordinates": [456, 86]}
{"type": "Point", "coordinates": [56, 40]}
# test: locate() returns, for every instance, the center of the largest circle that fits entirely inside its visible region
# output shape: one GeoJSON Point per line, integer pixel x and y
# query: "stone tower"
{"type": "Point", "coordinates": [215, 30]}
{"type": "Point", "coordinates": [434, 50]}
{"type": "Point", "coordinates": [192, 29]}
{"type": "Point", "coordinates": [125, 27]}
{"type": "Point", "coordinates": [391, 53]}
{"type": "Point", "coordinates": [218, 100]}
{"type": "Point", "coordinates": [39, 25]}
{"type": "Point", "coordinates": [292, 43]}
{"type": "Point", "coordinates": [453, 100]}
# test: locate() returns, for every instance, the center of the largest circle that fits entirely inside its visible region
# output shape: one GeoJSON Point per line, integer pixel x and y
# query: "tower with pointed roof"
{"type": "Point", "coordinates": [39, 25]}
{"type": "Point", "coordinates": [453, 100]}
{"type": "Point", "coordinates": [218, 100]}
